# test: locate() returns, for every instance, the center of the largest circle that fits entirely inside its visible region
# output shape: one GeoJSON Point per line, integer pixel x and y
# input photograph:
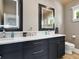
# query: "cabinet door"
{"type": "Point", "coordinates": [52, 49]}
{"type": "Point", "coordinates": [8, 48]}
{"type": "Point", "coordinates": [13, 55]}
{"type": "Point", "coordinates": [27, 52]}
{"type": "Point", "coordinates": [1, 50]}
{"type": "Point", "coordinates": [60, 46]}
{"type": "Point", "coordinates": [12, 51]}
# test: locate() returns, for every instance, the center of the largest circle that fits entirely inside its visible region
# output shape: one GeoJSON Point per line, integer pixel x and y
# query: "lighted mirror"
{"type": "Point", "coordinates": [11, 15]}
{"type": "Point", "coordinates": [46, 18]}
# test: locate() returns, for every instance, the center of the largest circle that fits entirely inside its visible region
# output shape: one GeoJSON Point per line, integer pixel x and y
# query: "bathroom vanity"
{"type": "Point", "coordinates": [33, 47]}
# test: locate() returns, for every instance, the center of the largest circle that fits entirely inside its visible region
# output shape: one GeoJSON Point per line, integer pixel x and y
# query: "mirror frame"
{"type": "Point", "coordinates": [40, 17]}
{"type": "Point", "coordinates": [20, 8]}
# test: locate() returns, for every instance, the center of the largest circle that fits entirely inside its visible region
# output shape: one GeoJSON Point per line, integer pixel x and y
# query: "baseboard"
{"type": "Point", "coordinates": [75, 50]}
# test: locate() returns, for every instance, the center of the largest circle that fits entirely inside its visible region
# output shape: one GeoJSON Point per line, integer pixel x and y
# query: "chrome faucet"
{"type": "Point", "coordinates": [3, 33]}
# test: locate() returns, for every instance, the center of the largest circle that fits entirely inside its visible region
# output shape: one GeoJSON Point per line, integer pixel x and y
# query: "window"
{"type": "Point", "coordinates": [75, 13]}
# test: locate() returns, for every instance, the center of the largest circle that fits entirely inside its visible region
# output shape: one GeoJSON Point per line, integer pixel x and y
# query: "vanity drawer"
{"type": "Point", "coordinates": [61, 39]}
{"type": "Point", "coordinates": [36, 50]}
{"type": "Point", "coordinates": [40, 54]}
{"type": "Point", "coordinates": [40, 57]}
{"type": "Point", "coordinates": [12, 47]}
{"type": "Point", "coordinates": [36, 44]}
{"type": "Point", "coordinates": [36, 47]}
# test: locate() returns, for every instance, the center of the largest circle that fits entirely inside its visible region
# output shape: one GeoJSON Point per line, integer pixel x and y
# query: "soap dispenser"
{"type": "Point", "coordinates": [56, 30]}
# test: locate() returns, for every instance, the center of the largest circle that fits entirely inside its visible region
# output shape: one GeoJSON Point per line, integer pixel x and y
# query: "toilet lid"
{"type": "Point", "coordinates": [69, 44]}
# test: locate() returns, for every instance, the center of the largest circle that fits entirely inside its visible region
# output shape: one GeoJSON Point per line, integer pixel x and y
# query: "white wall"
{"type": "Point", "coordinates": [30, 15]}
{"type": "Point", "coordinates": [59, 16]}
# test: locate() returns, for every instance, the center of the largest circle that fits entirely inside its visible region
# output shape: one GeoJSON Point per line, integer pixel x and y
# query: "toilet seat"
{"type": "Point", "coordinates": [69, 44]}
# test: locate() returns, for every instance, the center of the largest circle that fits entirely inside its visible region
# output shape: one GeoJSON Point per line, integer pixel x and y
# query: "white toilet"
{"type": "Point", "coordinates": [69, 47]}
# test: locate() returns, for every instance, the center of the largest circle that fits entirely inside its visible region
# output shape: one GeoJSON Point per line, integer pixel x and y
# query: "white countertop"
{"type": "Point", "coordinates": [28, 38]}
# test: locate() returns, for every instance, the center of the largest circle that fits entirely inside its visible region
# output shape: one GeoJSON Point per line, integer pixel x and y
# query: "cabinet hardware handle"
{"type": "Point", "coordinates": [40, 51]}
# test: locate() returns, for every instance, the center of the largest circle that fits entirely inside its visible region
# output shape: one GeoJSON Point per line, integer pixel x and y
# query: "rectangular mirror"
{"type": "Point", "coordinates": [11, 15]}
{"type": "Point", "coordinates": [46, 18]}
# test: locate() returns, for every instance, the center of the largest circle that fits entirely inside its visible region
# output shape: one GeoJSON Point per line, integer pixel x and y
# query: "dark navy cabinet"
{"type": "Point", "coordinates": [49, 48]}
{"type": "Point", "coordinates": [36, 49]}
{"type": "Point", "coordinates": [13, 55]}
{"type": "Point", "coordinates": [56, 47]}
{"type": "Point", "coordinates": [52, 48]}
{"type": "Point", "coordinates": [11, 51]}
{"type": "Point", "coordinates": [60, 46]}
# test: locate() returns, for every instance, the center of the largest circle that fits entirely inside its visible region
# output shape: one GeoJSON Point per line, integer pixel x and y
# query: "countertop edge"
{"type": "Point", "coordinates": [4, 41]}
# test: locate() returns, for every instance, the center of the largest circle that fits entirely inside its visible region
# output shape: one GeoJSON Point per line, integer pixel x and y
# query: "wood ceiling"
{"type": "Point", "coordinates": [65, 2]}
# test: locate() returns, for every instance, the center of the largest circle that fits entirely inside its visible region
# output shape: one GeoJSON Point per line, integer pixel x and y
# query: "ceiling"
{"type": "Point", "coordinates": [65, 2]}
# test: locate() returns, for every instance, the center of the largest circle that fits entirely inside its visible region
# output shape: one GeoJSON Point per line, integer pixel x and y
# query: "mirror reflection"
{"type": "Point", "coordinates": [46, 18]}
{"type": "Point", "coordinates": [9, 14]}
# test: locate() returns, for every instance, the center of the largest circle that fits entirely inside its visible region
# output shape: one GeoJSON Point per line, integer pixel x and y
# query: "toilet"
{"type": "Point", "coordinates": [69, 47]}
